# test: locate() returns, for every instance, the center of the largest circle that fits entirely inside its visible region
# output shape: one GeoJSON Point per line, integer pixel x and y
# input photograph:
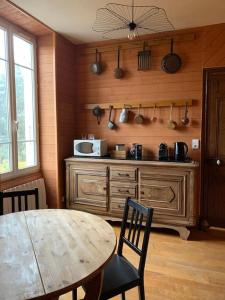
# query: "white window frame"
{"type": "Point", "coordinates": [11, 30]}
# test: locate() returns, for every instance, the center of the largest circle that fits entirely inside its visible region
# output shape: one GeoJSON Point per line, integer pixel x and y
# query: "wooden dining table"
{"type": "Point", "coordinates": [46, 253]}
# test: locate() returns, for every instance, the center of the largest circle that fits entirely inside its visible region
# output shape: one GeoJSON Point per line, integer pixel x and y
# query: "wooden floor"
{"type": "Point", "coordinates": [178, 269]}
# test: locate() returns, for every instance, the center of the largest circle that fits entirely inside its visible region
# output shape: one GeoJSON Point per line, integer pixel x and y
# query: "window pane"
{"type": "Point", "coordinates": [2, 43]}
{"type": "Point", "coordinates": [4, 103]}
{"type": "Point", "coordinates": [23, 52]}
{"type": "Point", "coordinates": [25, 110]}
{"type": "Point", "coordinates": [5, 155]}
{"type": "Point", "coordinates": [26, 154]}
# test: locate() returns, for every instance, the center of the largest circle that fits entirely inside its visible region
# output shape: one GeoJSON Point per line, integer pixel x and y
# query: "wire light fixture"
{"type": "Point", "coordinates": [118, 20]}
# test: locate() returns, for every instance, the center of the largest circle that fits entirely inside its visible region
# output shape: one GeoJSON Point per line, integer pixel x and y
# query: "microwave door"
{"type": "Point", "coordinates": [85, 148]}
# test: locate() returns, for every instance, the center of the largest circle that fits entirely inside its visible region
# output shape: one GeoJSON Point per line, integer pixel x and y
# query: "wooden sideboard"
{"type": "Point", "coordinates": [100, 186]}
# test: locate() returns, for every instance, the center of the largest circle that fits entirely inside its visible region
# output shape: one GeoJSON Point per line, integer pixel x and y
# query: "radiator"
{"type": "Point", "coordinates": [39, 183]}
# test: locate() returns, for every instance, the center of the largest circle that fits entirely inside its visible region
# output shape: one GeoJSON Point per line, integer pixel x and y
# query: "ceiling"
{"type": "Point", "coordinates": [74, 18]}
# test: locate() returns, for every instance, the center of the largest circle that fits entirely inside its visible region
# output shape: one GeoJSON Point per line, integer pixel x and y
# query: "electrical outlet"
{"type": "Point", "coordinates": [195, 144]}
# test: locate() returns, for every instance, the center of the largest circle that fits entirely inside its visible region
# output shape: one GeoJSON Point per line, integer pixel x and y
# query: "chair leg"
{"type": "Point", "coordinates": [123, 296]}
{"type": "Point", "coordinates": [141, 291]}
{"type": "Point", "coordinates": [74, 294]}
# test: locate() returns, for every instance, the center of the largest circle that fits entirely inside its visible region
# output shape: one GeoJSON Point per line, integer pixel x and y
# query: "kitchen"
{"type": "Point", "coordinates": [68, 90]}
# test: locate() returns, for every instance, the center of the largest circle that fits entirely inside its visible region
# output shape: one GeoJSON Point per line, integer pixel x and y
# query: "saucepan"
{"type": "Point", "coordinates": [96, 68]}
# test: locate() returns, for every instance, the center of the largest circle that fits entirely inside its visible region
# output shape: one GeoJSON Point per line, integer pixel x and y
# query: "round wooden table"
{"type": "Point", "coordinates": [46, 253]}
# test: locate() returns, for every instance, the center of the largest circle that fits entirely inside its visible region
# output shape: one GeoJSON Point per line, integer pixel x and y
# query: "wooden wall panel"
{"type": "Point", "coordinates": [207, 50]}
{"type": "Point", "coordinates": [65, 85]}
{"type": "Point", "coordinates": [66, 104]}
{"type": "Point", "coordinates": [214, 46]}
{"type": "Point", "coordinates": [47, 117]}
{"type": "Point", "coordinates": [143, 86]}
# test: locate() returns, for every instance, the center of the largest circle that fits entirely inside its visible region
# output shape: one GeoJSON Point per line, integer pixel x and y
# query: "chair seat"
{"type": "Point", "coordinates": [119, 276]}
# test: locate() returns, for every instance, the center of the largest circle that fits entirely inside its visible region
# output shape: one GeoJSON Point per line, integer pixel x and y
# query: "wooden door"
{"type": "Point", "coordinates": [214, 150]}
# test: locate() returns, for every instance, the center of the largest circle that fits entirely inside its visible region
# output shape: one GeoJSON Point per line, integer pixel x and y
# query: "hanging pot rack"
{"type": "Point", "coordinates": [135, 105]}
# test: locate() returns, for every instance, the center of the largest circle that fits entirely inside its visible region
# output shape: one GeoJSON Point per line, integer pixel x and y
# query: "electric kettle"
{"type": "Point", "coordinates": [180, 151]}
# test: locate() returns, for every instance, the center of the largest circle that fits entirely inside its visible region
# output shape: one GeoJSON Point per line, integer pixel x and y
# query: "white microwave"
{"type": "Point", "coordinates": [90, 147]}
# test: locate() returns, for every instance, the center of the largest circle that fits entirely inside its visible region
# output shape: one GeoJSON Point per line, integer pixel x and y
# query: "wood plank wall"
{"type": "Point", "coordinates": [66, 104]}
{"type": "Point", "coordinates": [207, 50]}
{"type": "Point", "coordinates": [47, 117]}
{"type": "Point", "coordinates": [65, 85]}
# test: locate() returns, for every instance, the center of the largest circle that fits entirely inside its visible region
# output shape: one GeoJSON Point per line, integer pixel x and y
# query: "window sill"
{"type": "Point", "coordinates": [19, 173]}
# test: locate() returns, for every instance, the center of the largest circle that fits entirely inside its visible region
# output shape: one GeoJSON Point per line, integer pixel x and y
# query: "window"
{"type": "Point", "coordinates": [18, 113]}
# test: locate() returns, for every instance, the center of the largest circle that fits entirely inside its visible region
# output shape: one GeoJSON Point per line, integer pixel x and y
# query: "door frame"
{"type": "Point", "coordinates": [204, 204]}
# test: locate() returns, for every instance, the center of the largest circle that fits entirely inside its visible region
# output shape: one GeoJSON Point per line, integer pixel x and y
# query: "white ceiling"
{"type": "Point", "coordinates": [75, 18]}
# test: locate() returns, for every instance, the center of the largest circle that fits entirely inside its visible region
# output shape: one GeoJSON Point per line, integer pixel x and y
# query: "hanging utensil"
{"type": "Point", "coordinates": [171, 124]}
{"type": "Point", "coordinates": [154, 118]}
{"type": "Point", "coordinates": [171, 63]}
{"type": "Point", "coordinates": [139, 119]}
{"type": "Point", "coordinates": [118, 72]}
{"type": "Point", "coordinates": [96, 68]}
{"type": "Point", "coordinates": [144, 59]}
{"type": "Point", "coordinates": [185, 119]}
{"type": "Point", "coordinates": [111, 124]}
{"type": "Point", "coordinates": [97, 112]}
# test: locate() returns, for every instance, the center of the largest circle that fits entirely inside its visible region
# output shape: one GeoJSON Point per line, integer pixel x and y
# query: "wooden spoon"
{"type": "Point", "coordinates": [154, 118]}
{"type": "Point", "coordinates": [171, 124]}
{"type": "Point", "coordinates": [185, 119]}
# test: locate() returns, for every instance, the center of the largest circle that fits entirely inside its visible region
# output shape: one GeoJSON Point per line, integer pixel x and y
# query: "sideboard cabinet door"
{"type": "Point", "coordinates": [165, 191]}
{"type": "Point", "coordinates": [88, 189]}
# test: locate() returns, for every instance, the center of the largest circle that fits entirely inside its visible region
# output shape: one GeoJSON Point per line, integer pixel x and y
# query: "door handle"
{"type": "Point", "coordinates": [214, 161]}
{"type": "Point", "coordinates": [218, 162]}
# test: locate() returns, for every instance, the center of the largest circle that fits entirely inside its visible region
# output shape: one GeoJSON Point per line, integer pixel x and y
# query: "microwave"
{"type": "Point", "coordinates": [90, 147]}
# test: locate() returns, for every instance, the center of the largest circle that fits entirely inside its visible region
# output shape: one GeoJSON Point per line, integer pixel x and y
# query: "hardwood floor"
{"type": "Point", "coordinates": [181, 270]}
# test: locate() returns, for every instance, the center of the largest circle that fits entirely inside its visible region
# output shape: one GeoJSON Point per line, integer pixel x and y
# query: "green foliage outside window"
{"type": "Point", "coordinates": [4, 133]}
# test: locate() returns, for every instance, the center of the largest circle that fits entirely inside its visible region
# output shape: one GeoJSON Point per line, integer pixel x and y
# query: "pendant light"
{"type": "Point", "coordinates": [119, 20]}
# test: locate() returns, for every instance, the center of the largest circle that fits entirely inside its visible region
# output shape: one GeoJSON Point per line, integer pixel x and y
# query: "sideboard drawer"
{"type": "Point", "coordinates": [121, 191]}
{"type": "Point", "coordinates": [129, 174]}
{"type": "Point", "coordinates": [117, 206]}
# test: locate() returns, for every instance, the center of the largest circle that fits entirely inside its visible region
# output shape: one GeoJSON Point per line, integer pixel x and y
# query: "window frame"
{"type": "Point", "coordinates": [12, 30]}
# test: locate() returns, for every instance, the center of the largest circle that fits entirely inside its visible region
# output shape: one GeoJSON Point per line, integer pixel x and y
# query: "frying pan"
{"type": "Point", "coordinates": [171, 63]}
{"type": "Point", "coordinates": [96, 67]}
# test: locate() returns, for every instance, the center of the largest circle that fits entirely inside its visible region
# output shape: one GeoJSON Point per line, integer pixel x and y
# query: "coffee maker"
{"type": "Point", "coordinates": [163, 151]}
{"type": "Point", "coordinates": [180, 151]}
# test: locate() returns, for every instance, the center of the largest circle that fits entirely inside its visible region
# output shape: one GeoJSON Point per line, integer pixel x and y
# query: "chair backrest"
{"type": "Point", "coordinates": [19, 195]}
{"type": "Point", "coordinates": [131, 236]}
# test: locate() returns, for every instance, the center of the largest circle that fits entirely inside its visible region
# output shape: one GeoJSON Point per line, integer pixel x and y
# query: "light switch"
{"type": "Point", "coordinates": [195, 144]}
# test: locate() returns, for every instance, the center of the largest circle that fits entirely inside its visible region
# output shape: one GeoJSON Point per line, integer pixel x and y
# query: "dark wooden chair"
{"type": "Point", "coordinates": [19, 195]}
{"type": "Point", "coordinates": [119, 274]}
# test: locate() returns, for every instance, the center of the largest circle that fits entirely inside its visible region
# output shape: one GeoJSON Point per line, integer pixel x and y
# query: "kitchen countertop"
{"type": "Point", "coordinates": [148, 162]}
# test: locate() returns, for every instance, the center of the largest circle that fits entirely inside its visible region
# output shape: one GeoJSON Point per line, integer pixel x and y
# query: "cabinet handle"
{"type": "Point", "coordinates": [122, 191]}
{"type": "Point", "coordinates": [124, 175]}
{"type": "Point", "coordinates": [120, 206]}
{"type": "Point", "coordinates": [104, 188]}
{"type": "Point", "coordinates": [142, 193]}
